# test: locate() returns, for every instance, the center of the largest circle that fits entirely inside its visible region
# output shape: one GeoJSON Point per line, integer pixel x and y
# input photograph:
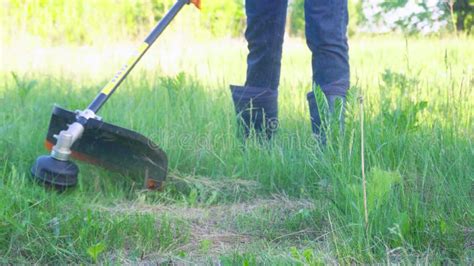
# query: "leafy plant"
{"type": "Point", "coordinates": [94, 251]}
{"type": "Point", "coordinates": [205, 245]}
{"type": "Point", "coordinates": [24, 85]}
{"type": "Point", "coordinates": [305, 257]}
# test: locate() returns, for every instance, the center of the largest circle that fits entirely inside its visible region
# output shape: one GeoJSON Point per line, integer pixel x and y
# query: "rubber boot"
{"type": "Point", "coordinates": [326, 112]}
{"type": "Point", "coordinates": [257, 110]}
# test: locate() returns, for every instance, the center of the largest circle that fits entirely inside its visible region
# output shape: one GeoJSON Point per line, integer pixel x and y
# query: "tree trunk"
{"type": "Point", "coordinates": [461, 9]}
{"type": "Point", "coordinates": [460, 21]}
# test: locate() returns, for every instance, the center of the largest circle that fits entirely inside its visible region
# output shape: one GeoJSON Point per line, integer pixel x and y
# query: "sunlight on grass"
{"type": "Point", "coordinates": [418, 101]}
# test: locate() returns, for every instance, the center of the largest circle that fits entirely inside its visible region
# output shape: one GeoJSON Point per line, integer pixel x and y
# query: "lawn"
{"type": "Point", "coordinates": [290, 202]}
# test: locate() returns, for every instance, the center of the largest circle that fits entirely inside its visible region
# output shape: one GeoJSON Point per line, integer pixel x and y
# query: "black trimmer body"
{"type": "Point", "coordinates": [103, 144]}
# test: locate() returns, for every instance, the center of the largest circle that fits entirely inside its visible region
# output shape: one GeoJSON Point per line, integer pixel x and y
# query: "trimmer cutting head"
{"type": "Point", "coordinates": [112, 147]}
{"type": "Point", "coordinates": [55, 173]}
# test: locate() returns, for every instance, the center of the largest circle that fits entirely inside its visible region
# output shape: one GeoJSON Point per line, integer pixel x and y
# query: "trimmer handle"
{"type": "Point", "coordinates": [112, 85]}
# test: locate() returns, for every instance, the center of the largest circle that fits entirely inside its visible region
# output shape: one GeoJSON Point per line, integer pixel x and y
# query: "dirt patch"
{"type": "Point", "coordinates": [212, 228]}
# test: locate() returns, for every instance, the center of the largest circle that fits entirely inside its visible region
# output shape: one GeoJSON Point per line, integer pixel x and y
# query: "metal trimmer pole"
{"type": "Point", "coordinates": [107, 91]}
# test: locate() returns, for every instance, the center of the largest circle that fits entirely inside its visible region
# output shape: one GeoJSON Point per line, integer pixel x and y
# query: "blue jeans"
{"type": "Point", "coordinates": [326, 27]}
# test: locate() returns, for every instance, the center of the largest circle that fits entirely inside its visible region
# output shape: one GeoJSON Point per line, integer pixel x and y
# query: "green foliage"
{"type": "Point", "coordinates": [81, 21]}
{"type": "Point", "coordinates": [396, 106]}
{"type": "Point", "coordinates": [356, 16]}
{"type": "Point", "coordinates": [464, 15]}
{"type": "Point", "coordinates": [387, 5]}
{"type": "Point", "coordinates": [95, 250]}
{"type": "Point", "coordinates": [305, 257]}
{"type": "Point", "coordinates": [379, 186]}
{"type": "Point", "coordinates": [24, 85]}
{"type": "Point", "coordinates": [418, 150]}
{"type": "Point", "coordinates": [297, 20]}
{"type": "Point", "coordinates": [205, 245]}
{"type": "Point", "coordinates": [87, 22]}
{"type": "Point", "coordinates": [457, 13]}
{"type": "Point", "coordinates": [244, 259]}
{"type": "Point", "coordinates": [64, 228]}
{"type": "Point", "coordinates": [224, 18]}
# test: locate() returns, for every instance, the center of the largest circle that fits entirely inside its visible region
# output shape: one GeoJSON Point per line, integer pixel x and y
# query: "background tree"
{"type": "Point", "coordinates": [297, 24]}
{"type": "Point", "coordinates": [423, 16]}
{"type": "Point", "coordinates": [224, 18]}
{"type": "Point", "coordinates": [464, 13]}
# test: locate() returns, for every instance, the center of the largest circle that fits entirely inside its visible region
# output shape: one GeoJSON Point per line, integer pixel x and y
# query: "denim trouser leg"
{"type": "Point", "coordinates": [265, 31]}
{"type": "Point", "coordinates": [256, 103]}
{"type": "Point", "coordinates": [326, 27]}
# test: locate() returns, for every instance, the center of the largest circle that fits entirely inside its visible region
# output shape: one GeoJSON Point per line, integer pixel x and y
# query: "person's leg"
{"type": "Point", "coordinates": [256, 103]}
{"type": "Point", "coordinates": [264, 33]}
{"type": "Point", "coordinates": [326, 36]}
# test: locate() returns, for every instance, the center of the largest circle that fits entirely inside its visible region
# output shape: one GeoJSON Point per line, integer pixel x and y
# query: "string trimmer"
{"type": "Point", "coordinates": [84, 136]}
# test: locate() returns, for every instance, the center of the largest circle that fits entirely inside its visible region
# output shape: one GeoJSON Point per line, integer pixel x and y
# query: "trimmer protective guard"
{"type": "Point", "coordinates": [114, 148]}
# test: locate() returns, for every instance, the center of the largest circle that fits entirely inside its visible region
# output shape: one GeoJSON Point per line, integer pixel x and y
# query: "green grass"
{"type": "Point", "coordinates": [108, 21]}
{"type": "Point", "coordinates": [288, 203]}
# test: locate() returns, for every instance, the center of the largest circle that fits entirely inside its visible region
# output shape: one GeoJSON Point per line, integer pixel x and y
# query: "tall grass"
{"type": "Point", "coordinates": [419, 151]}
